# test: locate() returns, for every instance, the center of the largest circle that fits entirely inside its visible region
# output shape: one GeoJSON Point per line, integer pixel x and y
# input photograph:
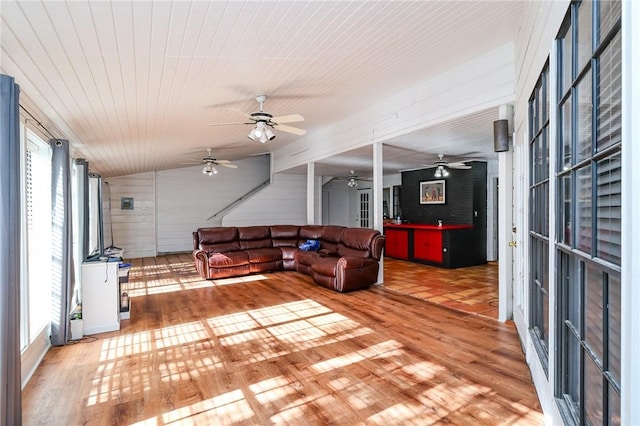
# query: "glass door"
{"type": "Point", "coordinates": [364, 208]}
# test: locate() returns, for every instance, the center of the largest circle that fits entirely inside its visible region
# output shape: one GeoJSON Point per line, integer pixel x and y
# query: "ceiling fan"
{"type": "Point", "coordinates": [264, 123]}
{"type": "Point", "coordinates": [210, 163]}
{"type": "Point", "coordinates": [443, 165]}
{"type": "Point", "coordinates": [352, 179]}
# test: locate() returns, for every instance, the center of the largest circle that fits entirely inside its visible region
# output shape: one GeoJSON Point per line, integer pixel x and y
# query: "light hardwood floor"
{"type": "Point", "coordinates": [473, 289]}
{"type": "Point", "coordinates": [277, 349]}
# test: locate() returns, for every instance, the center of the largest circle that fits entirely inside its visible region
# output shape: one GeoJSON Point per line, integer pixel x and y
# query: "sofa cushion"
{"type": "Point", "coordinates": [330, 238]}
{"type": "Point", "coordinates": [218, 240]}
{"type": "Point", "coordinates": [310, 232]}
{"type": "Point", "coordinates": [262, 255]}
{"type": "Point", "coordinates": [284, 235]}
{"type": "Point", "coordinates": [305, 257]}
{"type": "Point", "coordinates": [228, 259]}
{"type": "Point", "coordinates": [325, 265]}
{"type": "Point", "coordinates": [356, 242]}
{"type": "Point", "coordinates": [288, 257]}
{"type": "Point", "coordinates": [254, 237]}
{"type": "Point", "coordinates": [234, 271]}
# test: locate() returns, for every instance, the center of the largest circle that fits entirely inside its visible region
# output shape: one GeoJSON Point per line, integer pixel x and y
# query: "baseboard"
{"type": "Point", "coordinates": [33, 355]}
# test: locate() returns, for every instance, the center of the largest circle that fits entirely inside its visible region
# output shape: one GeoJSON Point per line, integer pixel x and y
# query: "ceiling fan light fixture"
{"type": "Point", "coordinates": [445, 172]}
{"type": "Point", "coordinates": [261, 133]}
{"type": "Point", "coordinates": [209, 169]}
{"type": "Point", "coordinates": [264, 123]}
{"type": "Point", "coordinates": [351, 183]}
{"type": "Point", "coordinates": [269, 133]}
{"type": "Point", "coordinates": [259, 130]}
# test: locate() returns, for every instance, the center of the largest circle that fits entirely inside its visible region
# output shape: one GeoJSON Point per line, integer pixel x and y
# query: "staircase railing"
{"type": "Point", "coordinates": [234, 203]}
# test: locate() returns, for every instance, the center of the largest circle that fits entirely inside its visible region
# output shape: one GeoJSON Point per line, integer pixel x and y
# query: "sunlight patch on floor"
{"type": "Point", "coordinates": [180, 334]}
{"type": "Point", "coordinates": [162, 280]}
{"type": "Point", "coordinates": [354, 357]}
{"type": "Point", "coordinates": [399, 414]}
{"type": "Point", "coordinates": [239, 280]}
{"type": "Point", "coordinates": [185, 351]}
{"type": "Point", "coordinates": [227, 408]}
{"type": "Point", "coordinates": [273, 389]}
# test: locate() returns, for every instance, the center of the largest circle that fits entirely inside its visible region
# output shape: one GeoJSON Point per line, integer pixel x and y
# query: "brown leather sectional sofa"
{"type": "Point", "coordinates": [347, 260]}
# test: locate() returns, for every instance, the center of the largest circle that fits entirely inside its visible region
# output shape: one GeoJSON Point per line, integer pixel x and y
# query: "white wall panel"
{"type": "Point", "coordinates": [338, 194]}
{"type": "Point", "coordinates": [169, 205]}
{"type": "Point", "coordinates": [186, 198]}
{"type": "Point", "coordinates": [134, 230]}
{"type": "Point", "coordinates": [282, 202]}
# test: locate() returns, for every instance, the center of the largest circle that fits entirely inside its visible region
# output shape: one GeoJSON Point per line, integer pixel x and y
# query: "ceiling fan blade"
{"type": "Point", "coordinates": [231, 166]}
{"type": "Point", "coordinates": [458, 165]}
{"type": "Point", "coordinates": [429, 166]}
{"type": "Point", "coordinates": [226, 124]}
{"type": "Point", "coordinates": [222, 161]}
{"type": "Point", "coordinates": [290, 129]}
{"type": "Point", "coordinates": [293, 118]}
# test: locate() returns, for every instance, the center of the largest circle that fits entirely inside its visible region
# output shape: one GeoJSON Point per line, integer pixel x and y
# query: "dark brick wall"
{"type": "Point", "coordinates": [459, 189]}
{"type": "Point", "coordinates": [466, 204]}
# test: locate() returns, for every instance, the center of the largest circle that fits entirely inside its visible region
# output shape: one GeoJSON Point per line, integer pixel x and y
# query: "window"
{"type": "Point", "coordinates": [36, 291]}
{"type": "Point", "coordinates": [588, 178]}
{"type": "Point", "coordinates": [539, 215]}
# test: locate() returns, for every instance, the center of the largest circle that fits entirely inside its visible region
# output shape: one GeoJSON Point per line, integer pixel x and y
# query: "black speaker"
{"type": "Point", "coordinates": [501, 135]}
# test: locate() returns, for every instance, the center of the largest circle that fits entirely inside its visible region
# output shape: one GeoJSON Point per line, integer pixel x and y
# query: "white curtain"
{"type": "Point", "coordinates": [10, 392]}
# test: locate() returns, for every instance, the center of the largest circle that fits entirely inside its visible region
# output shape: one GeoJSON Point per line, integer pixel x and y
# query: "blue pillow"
{"type": "Point", "coordinates": [310, 245]}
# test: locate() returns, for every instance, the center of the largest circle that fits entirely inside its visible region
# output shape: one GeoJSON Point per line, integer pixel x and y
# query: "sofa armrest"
{"type": "Point", "coordinates": [354, 273]}
{"type": "Point", "coordinates": [377, 244]}
{"type": "Point", "coordinates": [354, 262]}
{"type": "Point", "coordinates": [201, 260]}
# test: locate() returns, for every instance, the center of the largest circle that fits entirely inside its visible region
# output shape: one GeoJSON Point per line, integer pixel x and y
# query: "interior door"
{"type": "Point", "coordinates": [363, 217]}
{"type": "Point", "coordinates": [518, 231]}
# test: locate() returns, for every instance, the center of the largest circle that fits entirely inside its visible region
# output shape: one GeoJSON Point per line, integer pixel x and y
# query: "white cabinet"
{"type": "Point", "coordinates": [100, 297]}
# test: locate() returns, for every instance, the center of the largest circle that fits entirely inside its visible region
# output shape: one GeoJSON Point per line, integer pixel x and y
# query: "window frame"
{"type": "Point", "coordinates": [578, 266]}
{"type": "Point", "coordinates": [539, 115]}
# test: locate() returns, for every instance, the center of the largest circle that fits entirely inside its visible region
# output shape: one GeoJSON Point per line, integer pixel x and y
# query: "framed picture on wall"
{"type": "Point", "coordinates": [432, 192]}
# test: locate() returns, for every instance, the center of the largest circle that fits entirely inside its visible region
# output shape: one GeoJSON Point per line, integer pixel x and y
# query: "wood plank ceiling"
{"type": "Point", "coordinates": [133, 84]}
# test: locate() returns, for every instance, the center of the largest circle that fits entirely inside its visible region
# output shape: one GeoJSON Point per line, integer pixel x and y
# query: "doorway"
{"type": "Point", "coordinates": [363, 215]}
